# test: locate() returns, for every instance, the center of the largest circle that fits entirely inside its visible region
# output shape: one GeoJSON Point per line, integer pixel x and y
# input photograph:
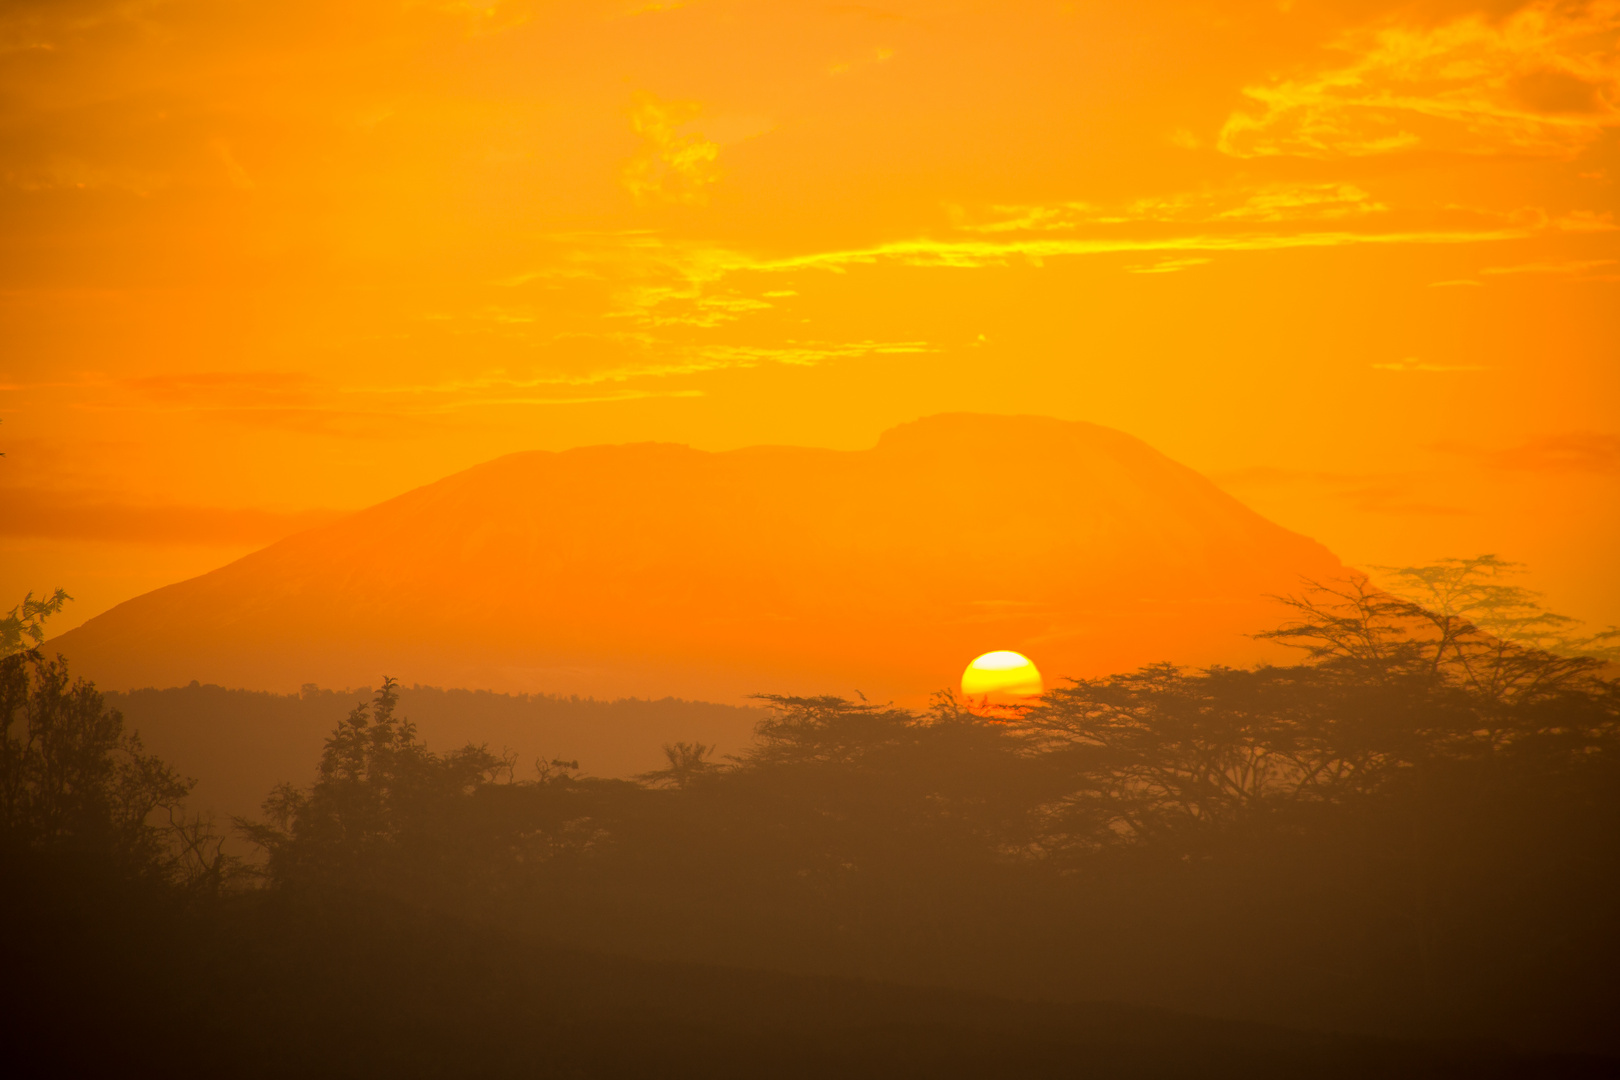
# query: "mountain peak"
{"type": "Point", "coordinates": [655, 569]}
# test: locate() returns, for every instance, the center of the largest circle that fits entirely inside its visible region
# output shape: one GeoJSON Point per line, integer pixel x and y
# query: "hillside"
{"type": "Point", "coordinates": [655, 570]}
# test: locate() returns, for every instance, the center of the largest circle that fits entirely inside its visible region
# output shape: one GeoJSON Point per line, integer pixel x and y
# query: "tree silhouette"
{"type": "Point", "coordinates": [23, 626]}
{"type": "Point", "coordinates": [1478, 591]}
{"type": "Point", "coordinates": [73, 780]}
{"type": "Point", "coordinates": [379, 801]}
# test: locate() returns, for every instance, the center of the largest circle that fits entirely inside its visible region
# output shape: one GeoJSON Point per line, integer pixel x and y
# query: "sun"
{"type": "Point", "coordinates": [1002, 678]}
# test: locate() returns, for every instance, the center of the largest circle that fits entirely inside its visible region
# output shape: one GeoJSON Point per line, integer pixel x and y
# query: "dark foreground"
{"type": "Point", "coordinates": [1413, 839]}
{"type": "Point", "coordinates": [105, 976]}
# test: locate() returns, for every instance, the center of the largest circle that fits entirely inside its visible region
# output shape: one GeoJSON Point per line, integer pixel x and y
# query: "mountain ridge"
{"type": "Point", "coordinates": [654, 568]}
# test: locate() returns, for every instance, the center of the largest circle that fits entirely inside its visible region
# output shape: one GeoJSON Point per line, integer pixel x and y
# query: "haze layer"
{"type": "Point", "coordinates": [658, 569]}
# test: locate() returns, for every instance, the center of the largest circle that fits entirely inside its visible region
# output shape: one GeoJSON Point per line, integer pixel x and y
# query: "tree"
{"type": "Point", "coordinates": [74, 782]}
{"type": "Point", "coordinates": [23, 626]}
{"type": "Point", "coordinates": [687, 762]}
{"type": "Point", "coordinates": [1479, 591]}
{"type": "Point", "coordinates": [1368, 635]}
{"type": "Point", "coordinates": [72, 779]}
{"type": "Point", "coordinates": [381, 804]}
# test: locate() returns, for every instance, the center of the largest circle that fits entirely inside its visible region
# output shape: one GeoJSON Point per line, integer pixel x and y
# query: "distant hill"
{"type": "Point", "coordinates": [652, 570]}
{"type": "Point", "coordinates": [238, 744]}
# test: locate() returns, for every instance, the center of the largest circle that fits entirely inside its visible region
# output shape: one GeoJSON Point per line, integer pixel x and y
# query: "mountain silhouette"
{"type": "Point", "coordinates": [656, 569]}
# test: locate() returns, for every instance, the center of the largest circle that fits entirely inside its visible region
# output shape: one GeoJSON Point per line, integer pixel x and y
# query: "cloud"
{"type": "Point", "coordinates": [1581, 269]}
{"type": "Point", "coordinates": [666, 290]}
{"type": "Point", "coordinates": [675, 164]}
{"type": "Point", "coordinates": [659, 282]}
{"type": "Point", "coordinates": [807, 354]}
{"type": "Point", "coordinates": [667, 305]}
{"type": "Point", "coordinates": [870, 14]}
{"type": "Point", "coordinates": [1368, 493]}
{"type": "Point", "coordinates": [226, 389]}
{"type": "Point", "coordinates": [1301, 202]}
{"type": "Point", "coordinates": [650, 358]}
{"type": "Point", "coordinates": [93, 515]}
{"type": "Point", "coordinates": [1266, 203]}
{"type": "Point", "coordinates": [1572, 452]}
{"type": "Point", "coordinates": [1412, 363]}
{"type": "Point", "coordinates": [1167, 266]}
{"type": "Point", "coordinates": [287, 401]}
{"type": "Point", "coordinates": [568, 399]}
{"type": "Point", "coordinates": [1543, 81]}
{"type": "Point", "coordinates": [976, 253]}
{"type": "Point", "coordinates": [302, 403]}
{"type": "Point", "coordinates": [881, 55]}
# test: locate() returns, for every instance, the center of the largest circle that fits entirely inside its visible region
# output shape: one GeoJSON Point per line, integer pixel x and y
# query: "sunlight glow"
{"type": "Point", "coordinates": [1001, 676]}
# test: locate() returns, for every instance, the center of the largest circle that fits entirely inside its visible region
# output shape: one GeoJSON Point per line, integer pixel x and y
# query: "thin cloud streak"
{"type": "Point", "coordinates": [107, 515]}
{"type": "Point", "coordinates": [1541, 82]}
{"type": "Point", "coordinates": [976, 253]}
{"type": "Point", "coordinates": [1593, 453]}
{"type": "Point", "coordinates": [1414, 364]}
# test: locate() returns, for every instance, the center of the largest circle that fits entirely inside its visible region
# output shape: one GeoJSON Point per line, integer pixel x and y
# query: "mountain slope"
{"type": "Point", "coordinates": [658, 569]}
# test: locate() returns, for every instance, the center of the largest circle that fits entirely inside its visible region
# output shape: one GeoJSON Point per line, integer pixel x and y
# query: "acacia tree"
{"type": "Point", "coordinates": [1480, 591]}
{"type": "Point", "coordinates": [1371, 636]}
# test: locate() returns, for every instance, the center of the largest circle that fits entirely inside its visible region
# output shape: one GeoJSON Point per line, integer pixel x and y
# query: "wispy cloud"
{"type": "Point", "coordinates": [1167, 266]}
{"type": "Point", "coordinates": [574, 368]}
{"type": "Point", "coordinates": [974, 252]}
{"type": "Point", "coordinates": [226, 389]}
{"type": "Point", "coordinates": [1401, 494]}
{"type": "Point", "coordinates": [807, 354]}
{"type": "Point", "coordinates": [106, 515]}
{"type": "Point", "coordinates": [863, 11]}
{"type": "Point", "coordinates": [880, 55]}
{"type": "Point", "coordinates": [649, 358]}
{"type": "Point", "coordinates": [662, 283]}
{"type": "Point", "coordinates": [565, 399]}
{"type": "Point", "coordinates": [1253, 204]}
{"type": "Point", "coordinates": [1412, 363]}
{"type": "Point", "coordinates": [675, 163]}
{"type": "Point", "coordinates": [1542, 81]}
{"type": "Point", "coordinates": [673, 305]}
{"type": "Point", "coordinates": [1570, 452]}
{"type": "Point", "coordinates": [1585, 269]}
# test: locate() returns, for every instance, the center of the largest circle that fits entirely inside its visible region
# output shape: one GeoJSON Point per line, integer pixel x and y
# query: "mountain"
{"type": "Point", "coordinates": [655, 569]}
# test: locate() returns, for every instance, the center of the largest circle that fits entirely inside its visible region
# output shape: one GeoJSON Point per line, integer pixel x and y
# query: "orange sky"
{"type": "Point", "coordinates": [1356, 261]}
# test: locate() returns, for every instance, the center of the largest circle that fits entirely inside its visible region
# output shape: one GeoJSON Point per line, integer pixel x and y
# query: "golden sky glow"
{"type": "Point", "coordinates": [1356, 261]}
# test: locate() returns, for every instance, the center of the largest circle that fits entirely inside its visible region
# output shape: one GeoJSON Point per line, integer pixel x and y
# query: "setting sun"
{"type": "Point", "coordinates": [1000, 676]}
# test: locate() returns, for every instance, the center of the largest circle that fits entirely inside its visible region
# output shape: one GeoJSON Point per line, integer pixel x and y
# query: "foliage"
{"type": "Point", "coordinates": [1372, 637]}
{"type": "Point", "coordinates": [23, 626]}
{"type": "Point", "coordinates": [688, 761]}
{"type": "Point", "coordinates": [1478, 591]}
{"type": "Point", "coordinates": [381, 800]}
{"type": "Point", "coordinates": [73, 781]}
